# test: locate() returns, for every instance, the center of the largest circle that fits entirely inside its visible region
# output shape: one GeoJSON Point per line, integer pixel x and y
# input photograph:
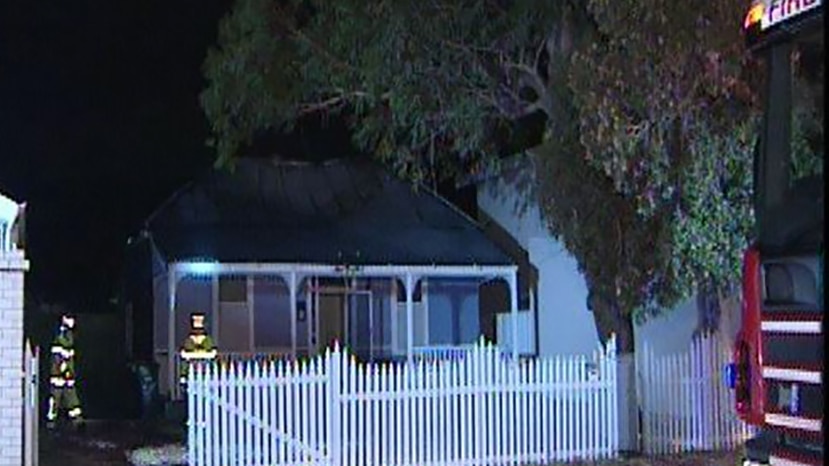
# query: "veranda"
{"type": "Point", "coordinates": [370, 309]}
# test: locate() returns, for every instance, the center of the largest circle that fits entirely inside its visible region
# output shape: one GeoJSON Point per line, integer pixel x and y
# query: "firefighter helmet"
{"type": "Point", "coordinates": [67, 321]}
{"type": "Point", "coordinates": [197, 321]}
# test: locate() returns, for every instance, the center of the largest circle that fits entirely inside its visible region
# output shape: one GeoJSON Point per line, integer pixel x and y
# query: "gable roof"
{"type": "Point", "coordinates": [296, 212]}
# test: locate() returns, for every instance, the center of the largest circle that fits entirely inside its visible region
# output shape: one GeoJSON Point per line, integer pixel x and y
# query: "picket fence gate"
{"type": "Point", "coordinates": [685, 402]}
{"type": "Point", "coordinates": [479, 408]}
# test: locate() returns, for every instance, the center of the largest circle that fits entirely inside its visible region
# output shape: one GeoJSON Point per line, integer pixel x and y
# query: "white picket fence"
{"type": "Point", "coordinates": [480, 408]}
{"type": "Point", "coordinates": [686, 405]}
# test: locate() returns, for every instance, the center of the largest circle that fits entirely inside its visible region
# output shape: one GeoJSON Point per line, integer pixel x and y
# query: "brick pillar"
{"type": "Point", "coordinates": [13, 266]}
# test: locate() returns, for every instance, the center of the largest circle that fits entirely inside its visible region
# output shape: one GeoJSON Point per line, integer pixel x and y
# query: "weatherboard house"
{"type": "Point", "coordinates": [286, 257]}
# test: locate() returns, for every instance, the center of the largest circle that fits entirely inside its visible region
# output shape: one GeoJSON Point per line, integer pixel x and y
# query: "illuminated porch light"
{"type": "Point", "coordinates": [199, 267]}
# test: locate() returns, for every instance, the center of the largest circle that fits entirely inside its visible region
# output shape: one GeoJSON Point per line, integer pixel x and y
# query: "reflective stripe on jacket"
{"type": "Point", "coordinates": [198, 355]}
{"type": "Point", "coordinates": [194, 350]}
{"type": "Point", "coordinates": [58, 350]}
{"type": "Point", "coordinates": [60, 382]}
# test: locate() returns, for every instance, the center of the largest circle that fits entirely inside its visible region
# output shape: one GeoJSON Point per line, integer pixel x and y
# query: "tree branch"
{"type": "Point", "coordinates": [539, 53]}
{"type": "Point", "coordinates": [339, 98]}
{"type": "Point", "coordinates": [474, 49]}
{"type": "Point", "coordinates": [533, 80]}
{"type": "Point", "coordinates": [537, 83]}
{"type": "Point", "coordinates": [327, 104]}
{"type": "Point", "coordinates": [512, 111]}
{"type": "Point", "coordinates": [505, 98]}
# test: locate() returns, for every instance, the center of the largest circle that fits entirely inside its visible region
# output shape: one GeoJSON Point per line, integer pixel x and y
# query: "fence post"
{"type": "Point", "coordinates": [33, 363]}
{"type": "Point", "coordinates": [711, 403]}
{"type": "Point", "coordinates": [29, 414]}
{"type": "Point", "coordinates": [35, 368]}
{"type": "Point", "coordinates": [640, 371]}
{"type": "Point", "coordinates": [192, 425]}
{"type": "Point", "coordinates": [333, 363]}
{"type": "Point", "coordinates": [611, 352]}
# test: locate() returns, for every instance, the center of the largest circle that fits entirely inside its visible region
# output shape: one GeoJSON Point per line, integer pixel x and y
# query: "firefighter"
{"type": "Point", "coordinates": [63, 395]}
{"type": "Point", "coordinates": [198, 347]}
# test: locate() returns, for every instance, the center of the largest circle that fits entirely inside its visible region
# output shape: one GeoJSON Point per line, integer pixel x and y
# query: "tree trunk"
{"type": "Point", "coordinates": [730, 316]}
{"type": "Point", "coordinates": [709, 309]}
{"type": "Point", "coordinates": [611, 321]}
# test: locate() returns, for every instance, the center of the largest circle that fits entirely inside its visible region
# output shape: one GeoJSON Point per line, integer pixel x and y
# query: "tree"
{"type": "Point", "coordinates": [422, 84]}
{"type": "Point", "coordinates": [424, 88]}
{"type": "Point", "coordinates": [668, 111]}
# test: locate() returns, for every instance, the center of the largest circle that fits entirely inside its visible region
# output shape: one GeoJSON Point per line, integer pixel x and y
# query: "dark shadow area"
{"type": "Point", "coordinates": [106, 386]}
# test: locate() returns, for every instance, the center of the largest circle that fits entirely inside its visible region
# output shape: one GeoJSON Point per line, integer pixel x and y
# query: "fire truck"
{"type": "Point", "coordinates": [777, 369]}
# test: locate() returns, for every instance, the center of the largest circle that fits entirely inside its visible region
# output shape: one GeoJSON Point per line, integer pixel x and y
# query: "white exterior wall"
{"type": "Point", "coordinates": [672, 331]}
{"type": "Point", "coordinates": [13, 266]}
{"type": "Point", "coordinates": [565, 325]}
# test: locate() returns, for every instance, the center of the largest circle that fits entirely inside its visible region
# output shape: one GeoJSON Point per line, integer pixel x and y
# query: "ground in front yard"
{"type": "Point", "coordinates": [730, 458]}
{"type": "Point", "coordinates": [104, 443]}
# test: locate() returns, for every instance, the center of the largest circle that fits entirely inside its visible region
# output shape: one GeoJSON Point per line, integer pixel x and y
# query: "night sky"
{"type": "Point", "coordinates": [99, 122]}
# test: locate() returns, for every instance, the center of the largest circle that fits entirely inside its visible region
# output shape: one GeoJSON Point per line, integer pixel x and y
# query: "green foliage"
{"type": "Point", "coordinates": [620, 254]}
{"type": "Point", "coordinates": [714, 220]}
{"type": "Point", "coordinates": [660, 69]}
{"type": "Point", "coordinates": [667, 101]}
{"type": "Point", "coordinates": [667, 112]}
{"type": "Point", "coordinates": [424, 84]}
{"type": "Point", "coordinates": [645, 170]}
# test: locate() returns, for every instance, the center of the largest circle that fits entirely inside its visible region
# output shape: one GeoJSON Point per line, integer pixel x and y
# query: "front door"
{"type": "Point", "coordinates": [360, 325]}
{"type": "Point", "coordinates": [330, 320]}
{"type": "Point", "coordinates": [347, 318]}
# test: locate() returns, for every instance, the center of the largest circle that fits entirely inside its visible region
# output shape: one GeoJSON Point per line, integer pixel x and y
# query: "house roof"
{"type": "Point", "coordinates": [340, 211]}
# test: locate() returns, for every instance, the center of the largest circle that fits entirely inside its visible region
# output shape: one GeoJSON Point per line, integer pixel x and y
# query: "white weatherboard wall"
{"type": "Point", "coordinates": [565, 325]}
{"type": "Point", "coordinates": [673, 331]}
{"type": "Point", "coordinates": [13, 266]}
{"type": "Point", "coordinates": [669, 332]}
